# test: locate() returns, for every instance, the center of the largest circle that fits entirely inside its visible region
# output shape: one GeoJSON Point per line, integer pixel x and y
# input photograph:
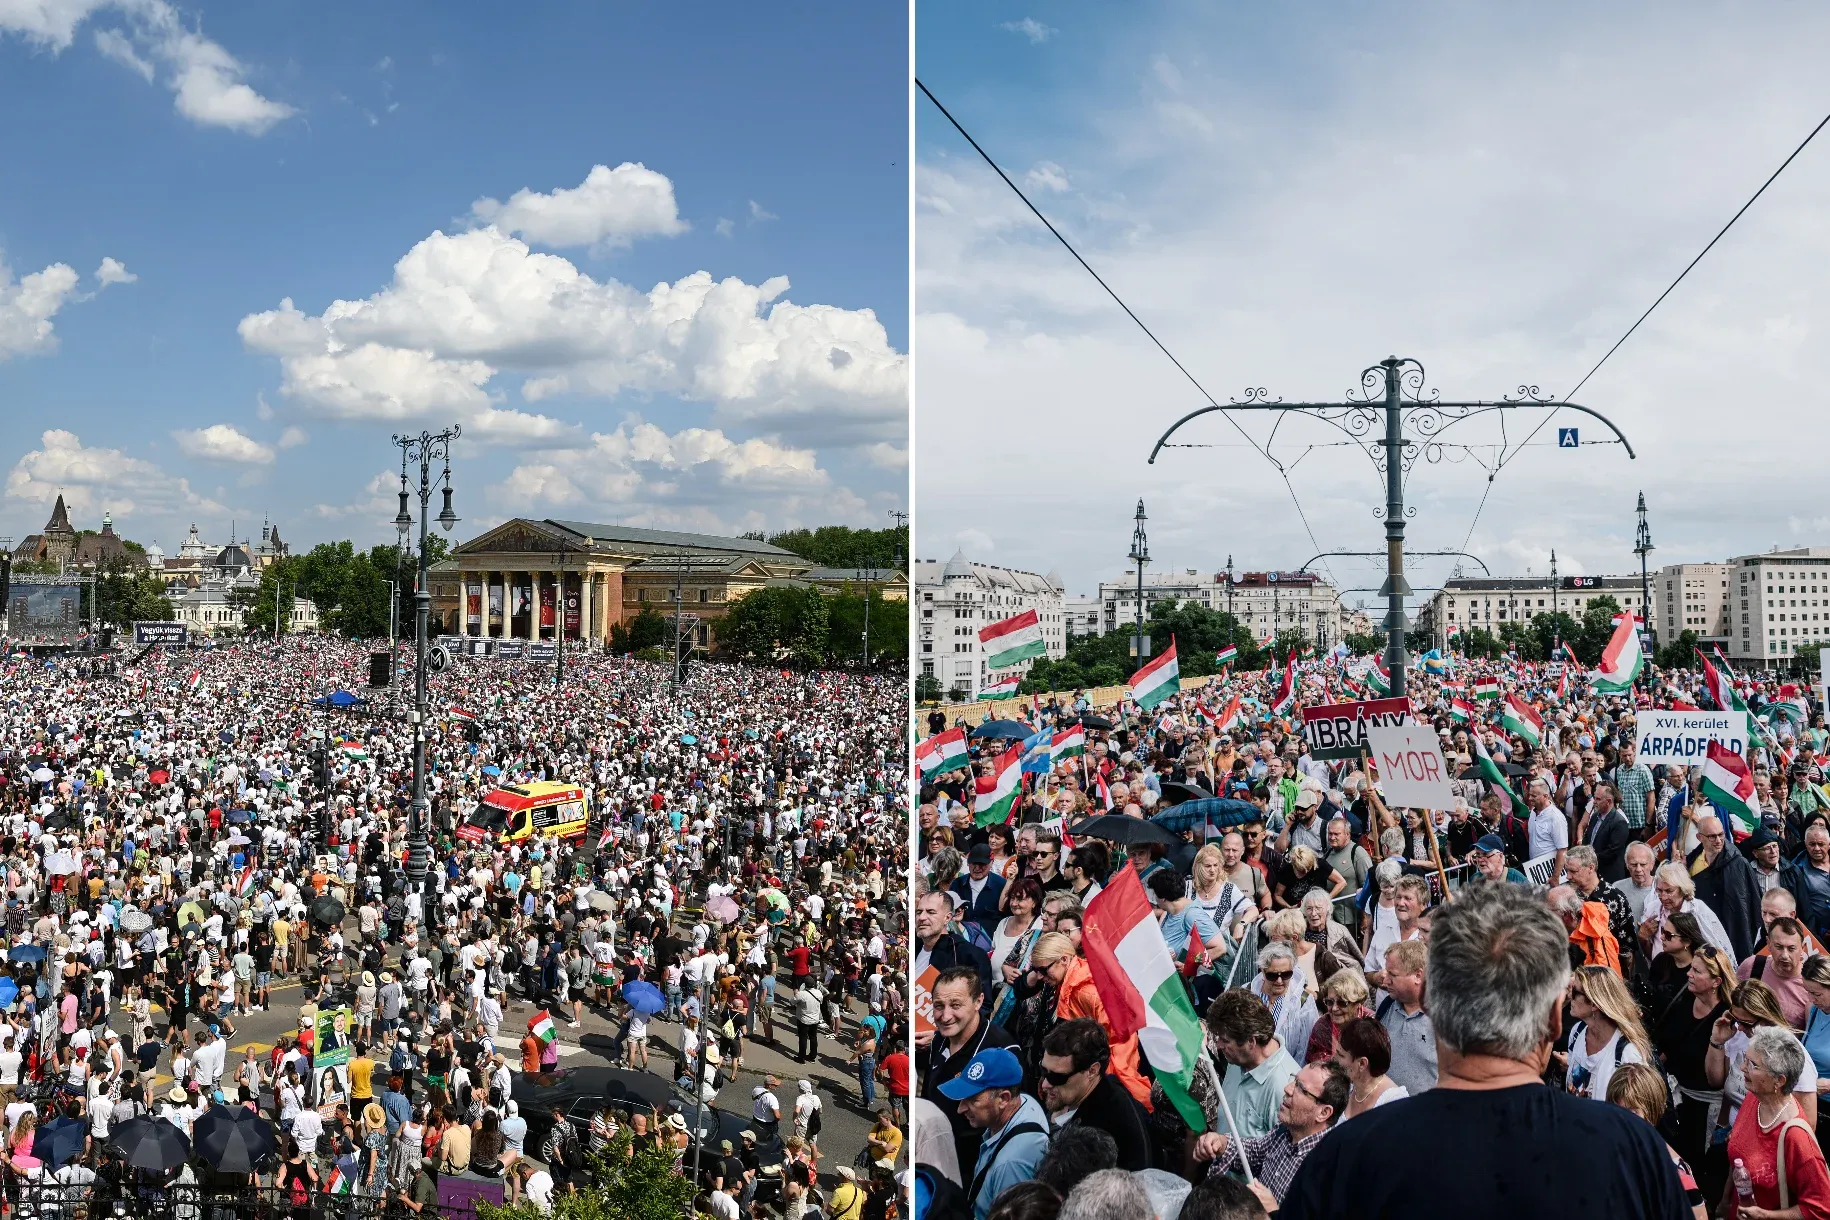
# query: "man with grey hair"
{"type": "Point", "coordinates": [1636, 886]}
{"type": "Point", "coordinates": [1499, 1142]}
{"type": "Point", "coordinates": [1110, 1194]}
{"type": "Point", "coordinates": [1548, 829]}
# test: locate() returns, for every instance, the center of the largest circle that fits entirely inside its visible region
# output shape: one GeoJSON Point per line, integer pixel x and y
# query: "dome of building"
{"type": "Point", "coordinates": [957, 566]}
{"type": "Point", "coordinates": [232, 559]}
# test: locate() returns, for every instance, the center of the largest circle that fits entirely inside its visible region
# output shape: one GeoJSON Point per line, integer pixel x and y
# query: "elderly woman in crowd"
{"type": "Point", "coordinates": [1278, 986]}
{"type": "Point", "coordinates": [1343, 999]}
{"type": "Point", "coordinates": [1674, 891]}
{"type": "Point", "coordinates": [1771, 1139]}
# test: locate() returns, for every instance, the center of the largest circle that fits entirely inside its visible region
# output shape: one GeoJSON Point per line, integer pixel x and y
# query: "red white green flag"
{"type": "Point", "coordinates": [1729, 785]}
{"type": "Point", "coordinates": [998, 791]}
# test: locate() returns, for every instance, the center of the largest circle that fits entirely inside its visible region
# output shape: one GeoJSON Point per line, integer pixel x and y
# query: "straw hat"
{"type": "Point", "coordinates": [373, 1117]}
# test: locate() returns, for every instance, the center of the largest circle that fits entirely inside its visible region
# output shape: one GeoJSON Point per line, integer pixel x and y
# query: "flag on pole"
{"type": "Point", "coordinates": [1518, 716]}
{"type": "Point", "coordinates": [1013, 640]}
{"type": "Point", "coordinates": [1621, 660]}
{"type": "Point", "coordinates": [338, 1182]}
{"type": "Point", "coordinates": [1729, 785]}
{"type": "Point", "coordinates": [1379, 679]}
{"type": "Point", "coordinates": [1486, 689]}
{"type": "Point", "coordinates": [1137, 981]}
{"type": "Point", "coordinates": [943, 752]}
{"type": "Point", "coordinates": [998, 792]}
{"type": "Point", "coordinates": [1158, 680]}
{"type": "Point", "coordinates": [1227, 655]}
{"type": "Point", "coordinates": [1286, 693]}
{"type": "Point", "coordinates": [1229, 716]}
{"type": "Point", "coordinates": [1563, 686]}
{"type": "Point", "coordinates": [1308, 650]}
{"type": "Point", "coordinates": [1068, 743]}
{"type": "Point", "coordinates": [541, 1026]}
{"type": "Point", "coordinates": [1105, 793]}
{"type": "Point", "coordinates": [1569, 650]}
{"type": "Point", "coordinates": [1460, 709]}
{"type": "Point", "coordinates": [1191, 954]}
{"type": "Point", "coordinates": [195, 680]}
{"type": "Point", "coordinates": [1001, 687]}
{"type": "Point", "coordinates": [458, 713]}
{"type": "Point", "coordinates": [603, 840]}
{"type": "Point", "coordinates": [1721, 692]}
{"type": "Point", "coordinates": [1490, 771]}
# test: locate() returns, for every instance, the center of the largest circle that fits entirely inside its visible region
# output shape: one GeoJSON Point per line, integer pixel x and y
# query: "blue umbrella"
{"type": "Point", "coordinates": [225, 736]}
{"type": "Point", "coordinates": [644, 997]}
{"type": "Point", "coordinates": [26, 953]}
{"type": "Point", "coordinates": [240, 815]}
{"type": "Point", "coordinates": [1218, 812]}
{"type": "Point", "coordinates": [9, 991]}
{"type": "Point", "coordinates": [492, 770]}
{"type": "Point", "coordinates": [60, 1140]}
{"type": "Point", "coordinates": [688, 739]}
{"type": "Point", "coordinates": [1014, 730]}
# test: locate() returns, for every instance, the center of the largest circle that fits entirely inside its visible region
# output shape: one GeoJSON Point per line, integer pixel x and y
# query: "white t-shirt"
{"type": "Point", "coordinates": [1548, 831]}
{"type": "Point", "coordinates": [1599, 1066]}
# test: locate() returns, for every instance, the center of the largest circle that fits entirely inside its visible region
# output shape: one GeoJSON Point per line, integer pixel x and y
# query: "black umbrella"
{"type": "Point", "coordinates": [1090, 721]}
{"type": "Point", "coordinates": [1175, 792]}
{"type": "Point", "coordinates": [1118, 828]}
{"type": "Point", "coordinates": [326, 911]}
{"type": "Point", "coordinates": [152, 1144]}
{"type": "Point", "coordinates": [1012, 730]}
{"type": "Point", "coordinates": [60, 1140]}
{"type": "Point", "coordinates": [234, 1141]}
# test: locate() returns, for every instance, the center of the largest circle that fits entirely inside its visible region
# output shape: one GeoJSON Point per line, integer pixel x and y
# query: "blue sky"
{"type": "Point", "coordinates": [228, 158]}
{"type": "Point", "coordinates": [1289, 193]}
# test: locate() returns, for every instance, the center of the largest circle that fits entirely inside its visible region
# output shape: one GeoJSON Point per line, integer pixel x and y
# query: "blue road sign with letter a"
{"type": "Point", "coordinates": [1566, 438]}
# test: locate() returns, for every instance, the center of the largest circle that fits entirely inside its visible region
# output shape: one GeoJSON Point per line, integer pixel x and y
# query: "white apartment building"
{"type": "Point", "coordinates": [1467, 602]}
{"type": "Point", "coordinates": [1118, 598]}
{"type": "Point", "coordinates": [954, 600]}
{"type": "Point", "coordinates": [1269, 602]}
{"type": "Point", "coordinates": [1781, 600]}
{"type": "Point", "coordinates": [1084, 615]}
{"type": "Point", "coordinates": [1692, 597]}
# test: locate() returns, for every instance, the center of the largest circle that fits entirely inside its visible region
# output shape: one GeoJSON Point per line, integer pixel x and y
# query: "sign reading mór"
{"type": "Point", "coordinates": [1338, 730]}
{"type": "Point", "coordinates": [1412, 773]}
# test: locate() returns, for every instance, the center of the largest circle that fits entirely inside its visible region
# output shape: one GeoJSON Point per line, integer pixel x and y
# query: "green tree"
{"type": "Point", "coordinates": [124, 594]}
{"type": "Point", "coordinates": [840, 546]}
{"type": "Point", "coordinates": [1681, 652]}
{"type": "Point", "coordinates": [927, 688]}
{"type": "Point", "coordinates": [646, 630]}
{"type": "Point", "coordinates": [349, 588]}
{"type": "Point", "coordinates": [1597, 628]}
{"type": "Point", "coordinates": [1369, 644]}
{"type": "Point", "coordinates": [776, 623]}
{"type": "Point", "coordinates": [889, 623]}
{"type": "Point", "coordinates": [620, 1184]}
{"type": "Point", "coordinates": [1481, 642]}
{"type": "Point", "coordinates": [1550, 628]}
{"type": "Point", "coordinates": [1518, 636]}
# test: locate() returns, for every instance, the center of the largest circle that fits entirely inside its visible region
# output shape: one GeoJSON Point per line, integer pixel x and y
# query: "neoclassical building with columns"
{"type": "Point", "coordinates": [510, 582]}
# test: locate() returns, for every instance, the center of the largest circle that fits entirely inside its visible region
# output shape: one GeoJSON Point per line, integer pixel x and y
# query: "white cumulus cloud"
{"type": "Point", "coordinates": [113, 271]}
{"type": "Point", "coordinates": [28, 305]}
{"type": "Point", "coordinates": [94, 480]}
{"type": "Point", "coordinates": [223, 443]}
{"type": "Point", "coordinates": [1031, 29]}
{"type": "Point", "coordinates": [463, 308]}
{"type": "Point", "coordinates": [207, 82]}
{"type": "Point", "coordinates": [610, 208]}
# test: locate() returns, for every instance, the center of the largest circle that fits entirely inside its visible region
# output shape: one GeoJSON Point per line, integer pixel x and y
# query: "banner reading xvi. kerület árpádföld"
{"type": "Point", "coordinates": [1684, 737]}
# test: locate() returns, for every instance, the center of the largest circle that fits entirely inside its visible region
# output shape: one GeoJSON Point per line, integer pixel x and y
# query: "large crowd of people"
{"type": "Point", "coordinates": [1590, 987]}
{"type": "Point", "coordinates": [191, 838]}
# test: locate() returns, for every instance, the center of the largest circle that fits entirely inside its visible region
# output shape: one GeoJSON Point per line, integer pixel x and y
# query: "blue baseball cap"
{"type": "Point", "coordinates": [992, 1068]}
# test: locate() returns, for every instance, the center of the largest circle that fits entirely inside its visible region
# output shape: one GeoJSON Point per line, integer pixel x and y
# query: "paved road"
{"type": "Point", "coordinates": [845, 1121]}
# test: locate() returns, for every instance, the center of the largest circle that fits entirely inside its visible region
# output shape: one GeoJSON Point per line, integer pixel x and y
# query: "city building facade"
{"type": "Point", "coordinates": [1781, 603]}
{"type": "Point", "coordinates": [958, 598]}
{"type": "Point", "coordinates": [1692, 597]}
{"type": "Point", "coordinates": [1467, 602]}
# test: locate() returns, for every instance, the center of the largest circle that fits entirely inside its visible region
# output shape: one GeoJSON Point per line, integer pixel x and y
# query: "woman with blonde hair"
{"type": "Point", "coordinates": [1684, 1035]}
{"type": "Point", "coordinates": [1343, 999]}
{"type": "Point", "coordinates": [1608, 1033]}
{"type": "Point", "coordinates": [1068, 981]}
{"type": "Point", "coordinates": [1642, 1090]}
{"type": "Point", "coordinates": [1751, 1006]}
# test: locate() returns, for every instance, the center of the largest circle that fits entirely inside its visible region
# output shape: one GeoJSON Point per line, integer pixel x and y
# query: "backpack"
{"type": "Point", "coordinates": [813, 1121]}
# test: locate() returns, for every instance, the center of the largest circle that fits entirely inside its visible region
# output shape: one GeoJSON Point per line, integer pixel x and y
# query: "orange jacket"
{"type": "Point", "coordinates": [1592, 936]}
{"type": "Point", "coordinates": [1080, 998]}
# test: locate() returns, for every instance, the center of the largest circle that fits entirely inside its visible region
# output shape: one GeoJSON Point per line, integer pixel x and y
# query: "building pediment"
{"type": "Point", "coordinates": [515, 536]}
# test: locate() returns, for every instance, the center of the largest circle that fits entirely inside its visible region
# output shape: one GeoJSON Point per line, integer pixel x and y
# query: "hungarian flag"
{"type": "Point", "coordinates": [541, 1026]}
{"type": "Point", "coordinates": [1013, 640]}
{"type": "Point", "coordinates": [1067, 743]}
{"type": "Point", "coordinates": [1158, 680]}
{"type": "Point", "coordinates": [458, 713]}
{"type": "Point", "coordinates": [195, 680]}
{"type": "Point", "coordinates": [1721, 692]}
{"type": "Point", "coordinates": [1460, 709]}
{"type": "Point", "coordinates": [1191, 955]}
{"type": "Point", "coordinates": [1569, 650]}
{"type": "Point", "coordinates": [1308, 650]}
{"type": "Point", "coordinates": [998, 792]}
{"type": "Point", "coordinates": [1137, 981]}
{"type": "Point", "coordinates": [1227, 655]}
{"type": "Point", "coordinates": [603, 840]}
{"type": "Point", "coordinates": [244, 885]}
{"type": "Point", "coordinates": [1286, 693]}
{"type": "Point", "coordinates": [1229, 716]}
{"type": "Point", "coordinates": [1621, 660]}
{"type": "Point", "coordinates": [1379, 679]}
{"type": "Point", "coordinates": [1454, 633]}
{"type": "Point", "coordinates": [1000, 688]}
{"type": "Point", "coordinates": [942, 752]}
{"type": "Point", "coordinates": [1729, 785]}
{"type": "Point", "coordinates": [1486, 688]}
{"type": "Point", "coordinates": [1518, 716]}
{"type": "Point", "coordinates": [1490, 771]}
{"type": "Point", "coordinates": [1105, 793]}
{"type": "Point", "coordinates": [1563, 686]}
{"type": "Point", "coordinates": [338, 1182]}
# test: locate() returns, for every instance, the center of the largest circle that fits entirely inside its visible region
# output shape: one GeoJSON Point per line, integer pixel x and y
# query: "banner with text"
{"type": "Point", "coordinates": [1412, 774]}
{"type": "Point", "coordinates": [1338, 730]}
{"type": "Point", "coordinates": [1684, 737]}
{"type": "Point", "coordinates": [153, 632]}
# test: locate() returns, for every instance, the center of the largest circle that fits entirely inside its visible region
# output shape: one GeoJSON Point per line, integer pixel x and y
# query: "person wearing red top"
{"type": "Point", "coordinates": [894, 1068]}
{"type": "Point", "coordinates": [1773, 1063]}
{"type": "Point", "coordinates": [799, 958]}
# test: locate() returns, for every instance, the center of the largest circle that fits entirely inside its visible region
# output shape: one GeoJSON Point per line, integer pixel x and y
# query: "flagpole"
{"type": "Point", "coordinates": [1227, 1111]}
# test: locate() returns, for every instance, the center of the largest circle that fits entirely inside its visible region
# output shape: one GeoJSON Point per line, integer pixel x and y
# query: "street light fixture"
{"type": "Point", "coordinates": [1140, 555]}
{"type": "Point", "coordinates": [428, 448]}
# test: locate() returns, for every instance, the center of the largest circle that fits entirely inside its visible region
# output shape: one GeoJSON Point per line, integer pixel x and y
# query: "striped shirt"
{"type": "Point", "coordinates": [1634, 783]}
{"type": "Point", "coordinates": [1274, 1158]}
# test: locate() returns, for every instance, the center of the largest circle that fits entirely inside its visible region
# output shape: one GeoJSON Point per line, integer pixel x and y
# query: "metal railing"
{"type": "Point", "coordinates": [104, 1200]}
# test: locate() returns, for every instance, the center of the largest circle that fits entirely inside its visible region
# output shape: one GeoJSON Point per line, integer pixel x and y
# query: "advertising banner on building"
{"type": "Point", "coordinates": [495, 601]}
{"type": "Point", "coordinates": [473, 604]}
{"type": "Point", "coordinates": [572, 616]}
{"type": "Point", "coordinates": [546, 611]}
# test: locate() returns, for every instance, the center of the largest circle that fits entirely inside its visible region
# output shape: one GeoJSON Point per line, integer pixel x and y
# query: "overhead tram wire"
{"type": "Point", "coordinates": [1129, 312]}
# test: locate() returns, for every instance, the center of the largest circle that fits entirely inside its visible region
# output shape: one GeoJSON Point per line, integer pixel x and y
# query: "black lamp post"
{"type": "Point", "coordinates": [1140, 555]}
{"type": "Point", "coordinates": [428, 449]}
